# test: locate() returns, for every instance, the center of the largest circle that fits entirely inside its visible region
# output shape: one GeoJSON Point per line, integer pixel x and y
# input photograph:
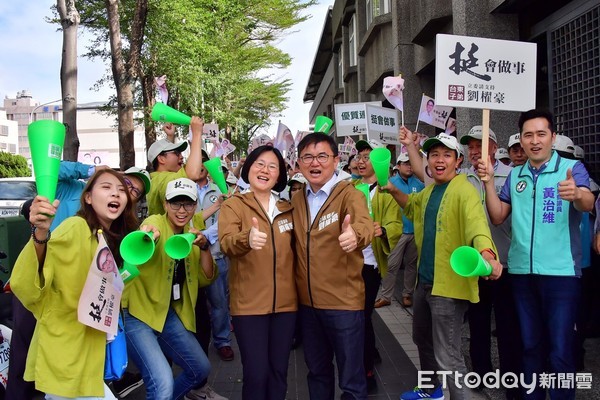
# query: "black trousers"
{"type": "Point", "coordinates": [265, 343]}
{"type": "Point", "coordinates": [372, 280]}
{"type": "Point", "coordinates": [23, 327]}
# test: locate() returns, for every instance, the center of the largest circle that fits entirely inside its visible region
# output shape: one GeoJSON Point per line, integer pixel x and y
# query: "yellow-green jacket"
{"type": "Point", "coordinates": [461, 221]}
{"type": "Point", "coordinates": [65, 358]}
{"type": "Point", "coordinates": [158, 190]}
{"type": "Point", "coordinates": [148, 297]}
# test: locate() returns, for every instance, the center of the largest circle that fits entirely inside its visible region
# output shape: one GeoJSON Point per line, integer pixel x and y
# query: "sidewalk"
{"type": "Point", "coordinates": [395, 374]}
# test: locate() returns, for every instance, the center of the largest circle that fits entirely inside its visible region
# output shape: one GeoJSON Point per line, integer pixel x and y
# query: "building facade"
{"type": "Point", "coordinates": [364, 41]}
{"type": "Point", "coordinates": [97, 131]}
{"type": "Point", "coordinates": [9, 134]}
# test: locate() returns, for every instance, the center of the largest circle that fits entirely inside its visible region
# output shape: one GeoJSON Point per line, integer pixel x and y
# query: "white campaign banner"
{"type": "Point", "coordinates": [482, 73]}
{"type": "Point", "coordinates": [382, 124]}
{"type": "Point", "coordinates": [351, 118]}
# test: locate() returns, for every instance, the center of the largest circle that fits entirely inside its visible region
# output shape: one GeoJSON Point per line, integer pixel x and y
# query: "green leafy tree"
{"type": "Point", "coordinates": [212, 52]}
{"type": "Point", "coordinates": [13, 166]}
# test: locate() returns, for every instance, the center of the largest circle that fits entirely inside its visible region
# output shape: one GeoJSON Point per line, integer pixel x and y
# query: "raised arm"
{"type": "Point", "coordinates": [407, 139]}
{"type": "Point", "coordinates": [194, 161]}
{"type": "Point", "coordinates": [497, 209]}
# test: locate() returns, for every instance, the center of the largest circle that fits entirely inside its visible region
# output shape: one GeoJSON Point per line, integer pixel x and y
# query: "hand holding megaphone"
{"type": "Point", "coordinates": [151, 229]}
{"type": "Point", "coordinates": [257, 239]}
{"type": "Point", "coordinates": [201, 240]}
{"type": "Point", "coordinates": [41, 214]}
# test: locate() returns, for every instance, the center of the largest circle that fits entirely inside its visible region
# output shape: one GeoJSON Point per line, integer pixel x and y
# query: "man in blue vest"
{"type": "Point", "coordinates": [545, 198]}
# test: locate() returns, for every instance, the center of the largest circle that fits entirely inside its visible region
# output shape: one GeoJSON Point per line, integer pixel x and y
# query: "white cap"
{"type": "Point", "coordinates": [142, 174]}
{"type": "Point", "coordinates": [403, 157]}
{"type": "Point", "coordinates": [371, 143]}
{"type": "Point", "coordinates": [564, 144]}
{"type": "Point", "coordinates": [164, 145]}
{"type": "Point", "coordinates": [514, 139]}
{"type": "Point", "coordinates": [181, 187]}
{"type": "Point", "coordinates": [447, 140]}
{"type": "Point", "coordinates": [297, 178]}
{"type": "Point", "coordinates": [476, 132]}
{"type": "Point", "coordinates": [501, 153]}
{"type": "Point", "coordinates": [579, 153]}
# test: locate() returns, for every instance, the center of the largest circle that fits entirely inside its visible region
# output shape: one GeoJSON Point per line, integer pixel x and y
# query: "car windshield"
{"type": "Point", "coordinates": [17, 190]}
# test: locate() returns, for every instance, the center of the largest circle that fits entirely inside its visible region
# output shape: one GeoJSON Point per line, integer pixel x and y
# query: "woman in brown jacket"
{"type": "Point", "coordinates": [256, 233]}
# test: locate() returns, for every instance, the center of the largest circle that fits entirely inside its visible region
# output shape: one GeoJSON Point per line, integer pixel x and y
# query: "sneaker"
{"type": "Point", "coordinates": [204, 393]}
{"type": "Point", "coordinates": [226, 353]}
{"type": "Point", "coordinates": [127, 384]}
{"type": "Point", "coordinates": [418, 394]}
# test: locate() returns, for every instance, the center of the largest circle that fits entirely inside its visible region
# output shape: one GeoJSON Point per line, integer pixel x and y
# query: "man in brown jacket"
{"type": "Point", "coordinates": [331, 227]}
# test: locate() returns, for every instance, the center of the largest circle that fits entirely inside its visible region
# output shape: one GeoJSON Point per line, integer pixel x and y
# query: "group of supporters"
{"type": "Point", "coordinates": [310, 263]}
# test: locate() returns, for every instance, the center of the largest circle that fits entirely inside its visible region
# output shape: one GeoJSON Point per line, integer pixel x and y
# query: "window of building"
{"type": "Point", "coordinates": [576, 82]}
{"type": "Point", "coordinates": [3, 130]}
{"type": "Point", "coordinates": [341, 68]}
{"type": "Point", "coordinates": [12, 148]}
{"type": "Point", "coordinates": [352, 41]}
{"type": "Point", "coordinates": [43, 115]}
{"type": "Point", "coordinates": [375, 8]}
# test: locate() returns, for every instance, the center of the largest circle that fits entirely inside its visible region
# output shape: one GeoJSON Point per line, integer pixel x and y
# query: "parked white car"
{"type": "Point", "coordinates": [13, 193]}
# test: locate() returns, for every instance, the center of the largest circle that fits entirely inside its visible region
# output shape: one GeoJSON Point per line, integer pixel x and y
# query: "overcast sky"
{"type": "Point", "coordinates": [31, 51]}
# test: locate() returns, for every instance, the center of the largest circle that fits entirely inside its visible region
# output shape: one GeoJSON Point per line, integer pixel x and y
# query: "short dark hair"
{"type": "Point", "coordinates": [253, 156]}
{"type": "Point", "coordinates": [314, 139]}
{"type": "Point", "coordinates": [536, 113]}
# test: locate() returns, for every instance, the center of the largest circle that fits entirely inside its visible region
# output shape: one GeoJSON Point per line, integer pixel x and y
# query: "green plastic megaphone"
{"type": "Point", "coordinates": [466, 261]}
{"type": "Point", "coordinates": [323, 124]}
{"type": "Point", "coordinates": [179, 246]}
{"type": "Point", "coordinates": [364, 188]}
{"type": "Point", "coordinates": [137, 247]}
{"type": "Point", "coordinates": [46, 141]}
{"type": "Point", "coordinates": [213, 166]}
{"type": "Point", "coordinates": [380, 160]}
{"type": "Point", "coordinates": [164, 113]}
{"type": "Point", "coordinates": [128, 272]}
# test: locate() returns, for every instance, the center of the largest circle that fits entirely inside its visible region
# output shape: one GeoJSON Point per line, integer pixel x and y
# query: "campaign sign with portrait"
{"type": "Point", "coordinates": [474, 72]}
{"type": "Point", "coordinates": [101, 295]}
{"type": "Point", "coordinates": [434, 114]}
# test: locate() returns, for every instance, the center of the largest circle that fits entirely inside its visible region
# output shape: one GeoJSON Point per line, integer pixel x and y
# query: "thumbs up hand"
{"type": "Point", "coordinates": [347, 239]}
{"type": "Point", "coordinates": [567, 189]}
{"type": "Point", "coordinates": [257, 239]}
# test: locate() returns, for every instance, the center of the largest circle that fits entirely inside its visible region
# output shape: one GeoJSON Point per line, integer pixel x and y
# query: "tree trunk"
{"type": "Point", "coordinates": [149, 101]}
{"type": "Point", "coordinates": [69, 19]}
{"type": "Point", "coordinates": [125, 74]}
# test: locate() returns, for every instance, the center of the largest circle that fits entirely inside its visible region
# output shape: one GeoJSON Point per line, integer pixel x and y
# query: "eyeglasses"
{"type": "Point", "coordinates": [364, 158]}
{"type": "Point", "coordinates": [176, 152]}
{"type": "Point", "coordinates": [135, 192]}
{"type": "Point", "coordinates": [321, 158]}
{"type": "Point", "coordinates": [186, 206]}
{"type": "Point", "coordinates": [270, 167]}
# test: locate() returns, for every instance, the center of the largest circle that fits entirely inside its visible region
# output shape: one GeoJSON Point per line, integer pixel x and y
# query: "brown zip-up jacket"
{"type": "Point", "coordinates": [326, 276]}
{"type": "Point", "coordinates": [260, 281]}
